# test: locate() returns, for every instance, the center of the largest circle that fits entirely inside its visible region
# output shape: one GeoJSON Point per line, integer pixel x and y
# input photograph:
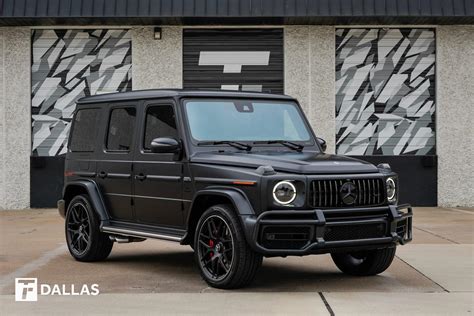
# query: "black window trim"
{"type": "Point", "coordinates": [165, 102]}
{"type": "Point", "coordinates": [106, 134]}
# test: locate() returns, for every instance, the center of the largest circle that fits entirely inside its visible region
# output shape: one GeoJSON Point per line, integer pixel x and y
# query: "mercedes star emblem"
{"type": "Point", "coordinates": [348, 193]}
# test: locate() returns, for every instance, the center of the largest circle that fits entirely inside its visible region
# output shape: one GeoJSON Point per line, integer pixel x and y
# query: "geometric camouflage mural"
{"type": "Point", "coordinates": [68, 65]}
{"type": "Point", "coordinates": [385, 91]}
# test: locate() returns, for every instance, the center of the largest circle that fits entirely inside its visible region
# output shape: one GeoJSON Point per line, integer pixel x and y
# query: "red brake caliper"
{"type": "Point", "coordinates": [211, 244]}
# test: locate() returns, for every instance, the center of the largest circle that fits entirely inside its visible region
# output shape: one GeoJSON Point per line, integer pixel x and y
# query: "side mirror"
{"type": "Point", "coordinates": [165, 145]}
{"type": "Point", "coordinates": [322, 143]}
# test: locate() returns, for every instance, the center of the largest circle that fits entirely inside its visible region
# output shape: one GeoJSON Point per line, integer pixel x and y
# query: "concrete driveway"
{"type": "Point", "coordinates": [432, 275]}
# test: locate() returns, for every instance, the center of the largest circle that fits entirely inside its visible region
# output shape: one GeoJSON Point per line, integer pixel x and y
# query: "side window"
{"type": "Point", "coordinates": [86, 123]}
{"type": "Point", "coordinates": [160, 122]}
{"type": "Point", "coordinates": [121, 127]}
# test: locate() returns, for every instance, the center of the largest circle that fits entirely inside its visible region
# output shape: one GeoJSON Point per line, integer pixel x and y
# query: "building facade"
{"type": "Point", "coordinates": [384, 81]}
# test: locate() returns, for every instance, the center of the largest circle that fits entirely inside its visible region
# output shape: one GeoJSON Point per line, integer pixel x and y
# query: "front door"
{"type": "Point", "coordinates": [158, 176]}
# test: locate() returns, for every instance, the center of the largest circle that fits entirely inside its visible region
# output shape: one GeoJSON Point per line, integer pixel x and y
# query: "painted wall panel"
{"type": "Point", "coordinates": [67, 65]}
{"type": "Point", "coordinates": [385, 92]}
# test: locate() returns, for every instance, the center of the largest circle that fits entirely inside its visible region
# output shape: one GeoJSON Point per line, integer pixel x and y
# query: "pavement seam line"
{"type": "Point", "coordinates": [439, 236]}
{"type": "Point", "coordinates": [458, 210]}
{"type": "Point", "coordinates": [31, 266]}
{"type": "Point", "coordinates": [444, 289]}
{"type": "Point", "coordinates": [326, 303]}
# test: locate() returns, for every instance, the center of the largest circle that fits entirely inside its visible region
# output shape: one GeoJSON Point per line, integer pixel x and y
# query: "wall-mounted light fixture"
{"type": "Point", "coordinates": [157, 33]}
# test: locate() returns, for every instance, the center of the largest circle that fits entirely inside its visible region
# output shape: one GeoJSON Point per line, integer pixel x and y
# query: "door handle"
{"type": "Point", "coordinates": [140, 177]}
{"type": "Point", "coordinates": [102, 174]}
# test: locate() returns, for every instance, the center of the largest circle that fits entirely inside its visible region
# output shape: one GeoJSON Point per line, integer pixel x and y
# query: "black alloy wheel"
{"type": "Point", "coordinates": [216, 248]}
{"type": "Point", "coordinates": [78, 228]}
{"type": "Point", "coordinates": [224, 257]}
{"type": "Point", "coordinates": [84, 239]}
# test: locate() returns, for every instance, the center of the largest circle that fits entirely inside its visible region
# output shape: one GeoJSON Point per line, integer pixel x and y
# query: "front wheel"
{"type": "Point", "coordinates": [225, 259]}
{"type": "Point", "coordinates": [364, 263]}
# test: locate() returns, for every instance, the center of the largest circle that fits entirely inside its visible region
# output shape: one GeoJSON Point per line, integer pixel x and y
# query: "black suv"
{"type": "Point", "coordinates": [237, 176]}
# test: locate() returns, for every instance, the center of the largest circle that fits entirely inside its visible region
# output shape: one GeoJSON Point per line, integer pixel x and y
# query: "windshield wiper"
{"type": "Point", "coordinates": [291, 145]}
{"type": "Point", "coordinates": [234, 144]}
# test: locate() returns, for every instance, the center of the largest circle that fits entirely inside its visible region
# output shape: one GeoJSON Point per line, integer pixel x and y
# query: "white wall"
{"type": "Point", "coordinates": [157, 63]}
{"type": "Point", "coordinates": [310, 76]}
{"type": "Point", "coordinates": [455, 113]}
{"type": "Point", "coordinates": [15, 118]}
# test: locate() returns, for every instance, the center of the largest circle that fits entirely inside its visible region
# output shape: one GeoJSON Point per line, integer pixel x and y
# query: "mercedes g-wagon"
{"type": "Point", "coordinates": [237, 176]}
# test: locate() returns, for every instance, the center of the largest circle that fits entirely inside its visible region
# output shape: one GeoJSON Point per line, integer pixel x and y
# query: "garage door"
{"type": "Point", "coordinates": [385, 103]}
{"type": "Point", "coordinates": [233, 59]}
{"type": "Point", "coordinates": [67, 65]}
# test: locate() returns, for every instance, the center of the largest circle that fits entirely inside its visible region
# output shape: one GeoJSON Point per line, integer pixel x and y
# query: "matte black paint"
{"type": "Point", "coordinates": [92, 190]}
{"type": "Point", "coordinates": [152, 194]}
{"type": "Point", "coordinates": [302, 163]}
{"type": "Point", "coordinates": [158, 193]}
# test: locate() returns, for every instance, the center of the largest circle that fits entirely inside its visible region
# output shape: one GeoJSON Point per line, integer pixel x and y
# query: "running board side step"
{"type": "Point", "coordinates": [139, 234]}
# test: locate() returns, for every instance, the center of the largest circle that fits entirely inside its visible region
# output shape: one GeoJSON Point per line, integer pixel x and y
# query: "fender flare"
{"type": "Point", "coordinates": [94, 195]}
{"type": "Point", "coordinates": [238, 198]}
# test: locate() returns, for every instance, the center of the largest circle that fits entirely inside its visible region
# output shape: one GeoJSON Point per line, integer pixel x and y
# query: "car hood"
{"type": "Point", "coordinates": [303, 163]}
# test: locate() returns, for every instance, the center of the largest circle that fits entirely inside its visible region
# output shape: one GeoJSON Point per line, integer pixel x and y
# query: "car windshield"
{"type": "Point", "coordinates": [245, 120]}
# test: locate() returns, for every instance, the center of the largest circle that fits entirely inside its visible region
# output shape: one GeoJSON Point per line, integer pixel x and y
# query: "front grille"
{"type": "Point", "coordinates": [326, 193]}
{"type": "Point", "coordinates": [353, 232]}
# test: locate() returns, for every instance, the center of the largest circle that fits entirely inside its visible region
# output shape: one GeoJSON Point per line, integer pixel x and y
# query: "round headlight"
{"type": "Point", "coordinates": [391, 190]}
{"type": "Point", "coordinates": [284, 192]}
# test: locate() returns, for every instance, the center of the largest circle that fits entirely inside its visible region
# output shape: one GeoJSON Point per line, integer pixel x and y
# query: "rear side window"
{"type": "Point", "coordinates": [121, 128]}
{"type": "Point", "coordinates": [85, 127]}
{"type": "Point", "coordinates": [160, 122]}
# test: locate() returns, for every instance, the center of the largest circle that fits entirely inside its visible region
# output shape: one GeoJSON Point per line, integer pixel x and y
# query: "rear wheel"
{"type": "Point", "coordinates": [84, 239]}
{"type": "Point", "coordinates": [225, 259]}
{"type": "Point", "coordinates": [364, 263]}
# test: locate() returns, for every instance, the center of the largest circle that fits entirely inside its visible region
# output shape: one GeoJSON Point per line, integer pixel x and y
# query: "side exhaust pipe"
{"type": "Point", "coordinates": [125, 239]}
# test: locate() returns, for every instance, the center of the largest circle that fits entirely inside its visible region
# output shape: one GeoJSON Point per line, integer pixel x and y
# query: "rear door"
{"type": "Point", "coordinates": [158, 186]}
{"type": "Point", "coordinates": [114, 168]}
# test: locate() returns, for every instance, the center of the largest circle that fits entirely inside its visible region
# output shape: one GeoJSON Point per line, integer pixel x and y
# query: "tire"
{"type": "Point", "coordinates": [84, 239]}
{"type": "Point", "coordinates": [221, 252]}
{"type": "Point", "coordinates": [364, 263]}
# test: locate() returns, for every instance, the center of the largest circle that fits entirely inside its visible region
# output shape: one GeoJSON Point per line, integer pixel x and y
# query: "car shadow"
{"type": "Point", "coordinates": [276, 274]}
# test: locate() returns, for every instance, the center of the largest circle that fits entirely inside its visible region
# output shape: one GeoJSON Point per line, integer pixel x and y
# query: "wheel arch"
{"type": "Point", "coordinates": [90, 188]}
{"type": "Point", "coordinates": [206, 198]}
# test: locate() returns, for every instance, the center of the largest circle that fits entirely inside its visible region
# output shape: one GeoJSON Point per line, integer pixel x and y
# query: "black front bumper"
{"type": "Point", "coordinates": [303, 232]}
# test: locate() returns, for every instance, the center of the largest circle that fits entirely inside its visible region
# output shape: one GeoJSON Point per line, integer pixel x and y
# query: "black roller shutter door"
{"type": "Point", "coordinates": [233, 59]}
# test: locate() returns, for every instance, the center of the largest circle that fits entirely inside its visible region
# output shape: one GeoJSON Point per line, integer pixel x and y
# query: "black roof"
{"type": "Point", "coordinates": [234, 12]}
{"type": "Point", "coordinates": [164, 93]}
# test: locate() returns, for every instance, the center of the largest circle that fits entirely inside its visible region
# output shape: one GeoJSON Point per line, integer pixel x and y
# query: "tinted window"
{"type": "Point", "coordinates": [85, 129]}
{"type": "Point", "coordinates": [121, 127]}
{"type": "Point", "coordinates": [160, 122]}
